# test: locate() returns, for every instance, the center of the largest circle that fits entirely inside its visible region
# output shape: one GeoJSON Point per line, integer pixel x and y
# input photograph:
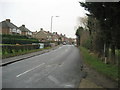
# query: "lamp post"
{"type": "Point", "coordinates": [52, 21]}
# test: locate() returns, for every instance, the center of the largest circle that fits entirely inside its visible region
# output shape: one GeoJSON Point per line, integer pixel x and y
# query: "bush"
{"type": "Point", "coordinates": [87, 43]}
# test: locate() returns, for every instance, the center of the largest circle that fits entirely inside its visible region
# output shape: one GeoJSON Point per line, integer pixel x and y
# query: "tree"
{"type": "Point", "coordinates": [78, 34]}
{"type": "Point", "coordinates": [107, 15]}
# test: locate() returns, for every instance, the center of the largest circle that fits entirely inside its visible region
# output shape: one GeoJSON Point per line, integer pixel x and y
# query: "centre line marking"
{"type": "Point", "coordinates": [30, 70]}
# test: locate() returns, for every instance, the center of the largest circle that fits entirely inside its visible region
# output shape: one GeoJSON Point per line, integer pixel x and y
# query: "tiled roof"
{"type": "Point", "coordinates": [7, 24]}
{"type": "Point", "coordinates": [22, 28]}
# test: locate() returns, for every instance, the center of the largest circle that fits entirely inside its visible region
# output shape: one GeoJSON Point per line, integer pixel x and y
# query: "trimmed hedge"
{"type": "Point", "coordinates": [17, 48]}
{"type": "Point", "coordinates": [17, 39]}
{"type": "Point", "coordinates": [14, 36]}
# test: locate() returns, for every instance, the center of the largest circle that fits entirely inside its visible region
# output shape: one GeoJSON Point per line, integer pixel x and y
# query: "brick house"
{"type": "Point", "coordinates": [72, 40]}
{"type": "Point", "coordinates": [42, 35]}
{"type": "Point", "coordinates": [9, 28]}
{"type": "Point", "coordinates": [63, 38]}
{"type": "Point", "coordinates": [25, 31]}
{"type": "Point", "coordinates": [55, 37]}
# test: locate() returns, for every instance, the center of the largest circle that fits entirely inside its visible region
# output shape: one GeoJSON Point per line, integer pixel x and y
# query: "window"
{"type": "Point", "coordinates": [18, 31]}
{"type": "Point", "coordinates": [10, 30]}
{"type": "Point", "coordinates": [14, 30]}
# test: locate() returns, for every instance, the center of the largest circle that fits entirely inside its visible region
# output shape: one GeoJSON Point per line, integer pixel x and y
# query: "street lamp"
{"type": "Point", "coordinates": [52, 21]}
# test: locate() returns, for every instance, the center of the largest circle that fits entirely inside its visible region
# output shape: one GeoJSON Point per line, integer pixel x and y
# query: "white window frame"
{"type": "Point", "coordinates": [14, 30]}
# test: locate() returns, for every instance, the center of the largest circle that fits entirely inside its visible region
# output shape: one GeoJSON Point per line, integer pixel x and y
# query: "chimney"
{"type": "Point", "coordinates": [8, 20]}
{"type": "Point", "coordinates": [41, 29]}
{"type": "Point", "coordinates": [23, 25]}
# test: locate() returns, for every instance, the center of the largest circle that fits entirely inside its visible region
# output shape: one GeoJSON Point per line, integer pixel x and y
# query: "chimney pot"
{"type": "Point", "coordinates": [41, 28]}
{"type": "Point", "coordinates": [8, 20]}
{"type": "Point", "coordinates": [23, 25]}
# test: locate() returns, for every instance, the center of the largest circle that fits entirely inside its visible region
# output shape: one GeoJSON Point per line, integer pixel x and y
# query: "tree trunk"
{"type": "Point", "coordinates": [113, 53]}
{"type": "Point", "coordinates": [106, 52]}
{"type": "Point", "coordinates": [78, 41]}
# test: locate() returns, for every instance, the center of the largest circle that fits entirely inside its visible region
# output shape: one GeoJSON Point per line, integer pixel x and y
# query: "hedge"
{"type": "Point", "coordinates": [17, 48]}
{"type": "Point", "coordinates": [17, 39]}
{"type": "Point", "coordinates": [14, 36]}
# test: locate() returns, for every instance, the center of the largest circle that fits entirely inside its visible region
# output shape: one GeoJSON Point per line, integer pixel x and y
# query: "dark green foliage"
{"type": "Point", "coordinates": [7, 54]}
{"type": "Point", "coordinates": [87, 44]}
{"type": "Point", "coordinates": [78, 34]}
{"type": "Point", "coordinates": [17, 39]}
{"type": "Point", "coordinates": [108, 16]}
{"type": "Point", "coordinates": [17, 48]}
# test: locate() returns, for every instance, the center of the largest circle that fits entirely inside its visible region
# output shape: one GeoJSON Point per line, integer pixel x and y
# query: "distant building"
{"type": "Point", "coordinates": [72, 40]}
{"type": "Point", "coordinates": [25, 31]}
{"type": "Point", "coordinates": [42, 35]}
{"type": "Point", "coordinates": [55, 37]}
{"type": "Point", "coordinates": [63, 38]}
{"type": "Point", "coordinates": [9, 28]}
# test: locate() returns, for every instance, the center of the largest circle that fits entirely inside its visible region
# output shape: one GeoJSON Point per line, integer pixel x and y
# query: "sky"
{"type": "Point", "coordinates": [36, 14]}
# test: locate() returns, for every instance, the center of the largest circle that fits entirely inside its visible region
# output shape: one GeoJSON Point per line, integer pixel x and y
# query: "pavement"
{"type": "Point", "coordinates": [59, 68]}
{"type": "Point", "coordinates": [85, 83]}
{"type": "Point", "coordinates": [94, 79]}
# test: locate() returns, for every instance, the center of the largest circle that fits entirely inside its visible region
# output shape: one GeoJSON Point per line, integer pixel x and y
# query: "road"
{"type": "Point", "coordinates": [59, 68]}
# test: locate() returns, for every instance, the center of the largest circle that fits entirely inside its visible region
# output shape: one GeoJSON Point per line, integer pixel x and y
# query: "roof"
{"type": "Point", "coordinates": [7, 24]}
{"type": "Point", "coordinates": [22, 28]}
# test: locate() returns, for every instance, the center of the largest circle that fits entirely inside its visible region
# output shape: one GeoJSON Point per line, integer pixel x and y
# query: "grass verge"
{"type": "Point", "coordinates": [7, 55]}
{"type": "Point", "coordinates": [108, 70]}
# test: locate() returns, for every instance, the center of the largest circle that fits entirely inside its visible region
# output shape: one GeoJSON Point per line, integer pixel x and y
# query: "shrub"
{"type": "Point", "coordinates": [87, 43]}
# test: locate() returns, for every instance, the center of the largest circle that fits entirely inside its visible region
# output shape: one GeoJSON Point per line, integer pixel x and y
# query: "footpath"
{"type": "Point", "coordinates": [94, 79]}
{"type": "Point", "coordinates": [7, 61]}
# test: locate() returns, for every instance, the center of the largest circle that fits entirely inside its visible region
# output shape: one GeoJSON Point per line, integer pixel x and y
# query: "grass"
{"type": "Point", "coordinates": [6, 55]}
{"type": "Point", "coordinates": [108, 70]}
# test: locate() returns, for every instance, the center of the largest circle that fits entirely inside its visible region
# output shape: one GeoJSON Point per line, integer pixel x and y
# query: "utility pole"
{"type": "Point", "coordinates": [52, 21]}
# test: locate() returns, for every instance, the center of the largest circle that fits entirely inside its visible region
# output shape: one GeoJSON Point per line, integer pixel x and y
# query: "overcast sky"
{"type": "Point", "coordinates": [36, 14]}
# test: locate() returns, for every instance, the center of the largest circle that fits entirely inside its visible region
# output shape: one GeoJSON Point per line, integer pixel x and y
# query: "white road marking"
{"type": "Point", "coordinates": [53, 79]}
{"type": "Point", "coordinates": [48, 66]}
{"type": "Point", "coordinates": [30, 70]}
{"type": "Point", "coordinates": [69, 86]}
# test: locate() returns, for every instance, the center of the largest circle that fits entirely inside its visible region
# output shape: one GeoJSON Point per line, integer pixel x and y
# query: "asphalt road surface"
{"type": "Point", "coordinates": [58, 68]}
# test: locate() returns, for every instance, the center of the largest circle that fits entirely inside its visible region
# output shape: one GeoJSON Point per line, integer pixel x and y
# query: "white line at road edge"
{"type": "Point", "coordinates": [30, 70]}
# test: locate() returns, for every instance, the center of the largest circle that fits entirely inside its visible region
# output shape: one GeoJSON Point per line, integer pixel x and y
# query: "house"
{"type": "Point", "coordinates": [63, 38]}
{"type": "Point", "coordinates": [72, 40]}
{"type": "Point", "coordinates": [55, 37]}
{"type": "Point", "coordinates": [9, 28]}
{"type": "Point", "coordinates": [42, 35]}
{"type": "Point", "coordinates": [25, 31]}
